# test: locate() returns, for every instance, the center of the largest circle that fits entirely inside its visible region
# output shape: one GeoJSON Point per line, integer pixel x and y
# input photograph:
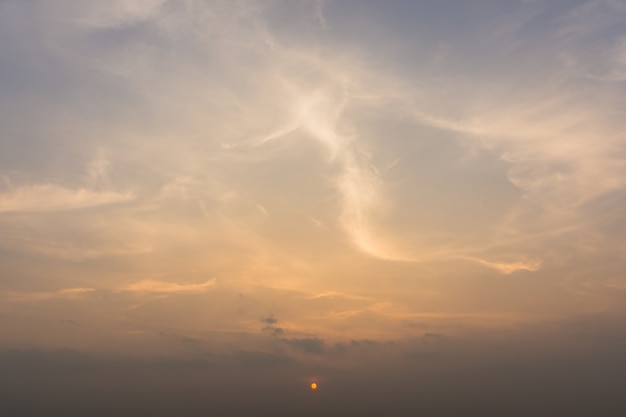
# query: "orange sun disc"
{"type": "Point", "coordinates": [314, 386]}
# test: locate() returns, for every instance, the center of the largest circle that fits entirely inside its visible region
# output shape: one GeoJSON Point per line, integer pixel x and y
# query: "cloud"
{"type": "Point", "coordinates": [310, 345]}
{"type": "Point", "coordinates": [507, 267]}
{"type": "Point", "coordinates": [319, 113]}
{"type": "Point", "coordinates": [262, 209]}
{"type": "Point", "coordinates": [271, 327]}
{"type": "Point", "coordinates": [269, 319]}
{"type": "Point", "coordinates": [339, 295]}
{"type": "Point", "coordinates": [149, 286]}
{"type": "Point", "coordinates": [118, 13]}
{"type": "Point", "coordinates": [34, 296]}
{"type": "Point", "coordinates": [51, 197]}
{"type": "Point", "coordinates": [358, 182]}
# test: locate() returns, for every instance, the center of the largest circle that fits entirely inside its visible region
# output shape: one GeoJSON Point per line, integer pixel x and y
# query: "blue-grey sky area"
{"type": "Point", "coordinates": [207, 205]}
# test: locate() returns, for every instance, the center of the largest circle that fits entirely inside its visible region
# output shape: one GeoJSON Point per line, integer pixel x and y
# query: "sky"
{"type": "Point", "coordinates": [207, 205]}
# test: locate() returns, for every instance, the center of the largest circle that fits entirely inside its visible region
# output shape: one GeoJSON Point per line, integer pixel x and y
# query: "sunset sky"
{"type": "Point", "coordinates": [208, 205]}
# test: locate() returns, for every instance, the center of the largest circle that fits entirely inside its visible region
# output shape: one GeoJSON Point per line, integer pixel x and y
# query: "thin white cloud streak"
{"type": "Point", "coordinates": [338, 295]}
{"type": "Point", "coordinates": [262, 209]}
{"type": "Point", "coordinates": [98, 171]}
{"type": "Point", "coordinates": [114, 13]}
{"type": "Point", "coordinates": [51, 247]}
{"type": "Point", "coordinates": [358, 184]}
{"type": "Point", "coordinates": [149, 286]}
{"type": "Point", "coordinates": [319, 113]}
{"type": "Point", "coordinates": [66, 293]}
{"type": "Point", "coordinates": [561, 158]}
{"type": "Point", "coordinates": [319, 11]}
{"type": "Point", "coordinates": [526, 149]}
{"type": "Point", "coordinates": [564, 153]}
{"type": "Point", "coordinates": [504, 267]}
{"type": "Point", "coordinates": [52, 197]}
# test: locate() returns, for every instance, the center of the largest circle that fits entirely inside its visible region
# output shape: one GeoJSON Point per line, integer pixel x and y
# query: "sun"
{"type": "Point", "coordinates": [314, 386]}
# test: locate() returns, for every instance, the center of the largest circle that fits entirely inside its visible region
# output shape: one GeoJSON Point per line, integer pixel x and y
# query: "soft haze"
{"type": "Point", "coordinates": [205, 206]}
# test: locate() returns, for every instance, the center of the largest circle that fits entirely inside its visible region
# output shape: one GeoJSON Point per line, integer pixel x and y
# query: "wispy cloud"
{"type": "Point", "coordinates": [52, 197]}
{"type": "Point", "coordinates": [49, 196]}
{"type": "Point", "coordinates": [507, 267]}
{"type": "Point", "coordinates": [339, 295]}
{"type": "Point", "coordinates": [319, 114]}
{"type": "Point", "coordinates": [118, 12]}
{"type": "Point", "coordinates": [149, 286]}
{"type": "Point", "coordinates": [66, 293]}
